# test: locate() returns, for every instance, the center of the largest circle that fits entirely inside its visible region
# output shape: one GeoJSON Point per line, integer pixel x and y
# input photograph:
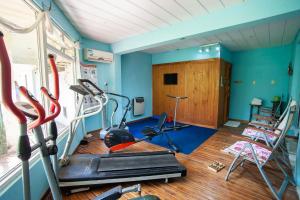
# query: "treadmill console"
{"type": "Point", "coordinates": [79, 89]}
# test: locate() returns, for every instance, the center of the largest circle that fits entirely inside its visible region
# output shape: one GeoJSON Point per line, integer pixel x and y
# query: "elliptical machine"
{"type": "Point", "coordinates": [34, 110]}
{"type": "Point", "coordinates": [122, 124]}
{"type": "Point", "coordinates": [111, 135]}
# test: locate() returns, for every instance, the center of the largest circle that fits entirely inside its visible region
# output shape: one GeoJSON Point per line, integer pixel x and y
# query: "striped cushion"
{"type": "Point", "coordinates": [249, 132]}
{"type": "Point", "coordinates": [261, 153]}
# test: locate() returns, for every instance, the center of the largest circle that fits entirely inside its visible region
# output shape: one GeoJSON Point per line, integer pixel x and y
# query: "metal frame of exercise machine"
{"type": "Point", "coordinates": [175, 126]}
{"type": "Point", "coordinates": [122, 123]}
{"type": "Point", "coordinates": [88, 112]}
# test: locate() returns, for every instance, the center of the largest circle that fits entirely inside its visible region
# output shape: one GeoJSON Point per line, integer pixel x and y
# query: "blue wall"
{"type": "Point", "coordinates": [184, 55]}
{"type": "Point", "coordinates": [261, 66]}
{"type": "Point", "coordinates": [226, 54]}
{"type": "Point", "coordinates": [295, 93]}
{"type": "Point", "coordinates": [137, 80]}
{"type": "Point", "coordinates": [295, 88]}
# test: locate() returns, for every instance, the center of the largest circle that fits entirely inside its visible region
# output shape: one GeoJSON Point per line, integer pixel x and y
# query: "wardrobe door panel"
{"type": "Point", "coordinates": [199, 81]}
{"type": "Point", "coordinates": [162, 103]}
{"type": "Point", "coordinates": [201, 89]}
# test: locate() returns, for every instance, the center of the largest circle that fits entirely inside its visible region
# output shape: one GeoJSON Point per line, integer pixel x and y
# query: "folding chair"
{"type": "Point", "coordinates": [271, 120]}
{"type": "Point", "coordinates": [267, 133]}
{"type": "Point", "coordinates": [260, 154]}
{"type": "Point", "coordinates": [268, 111]}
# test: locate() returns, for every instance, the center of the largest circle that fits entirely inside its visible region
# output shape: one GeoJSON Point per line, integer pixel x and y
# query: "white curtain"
{"type": "Point", "coordinates": [17, 29]}
{"type": "Point", "coordinates": [42, 17]}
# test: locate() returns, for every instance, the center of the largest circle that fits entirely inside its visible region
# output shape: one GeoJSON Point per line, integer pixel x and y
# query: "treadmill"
{"type": "Point", "coordinates": [86, 170]}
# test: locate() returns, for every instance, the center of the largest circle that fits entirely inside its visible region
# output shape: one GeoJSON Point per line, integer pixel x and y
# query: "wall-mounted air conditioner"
{"type": "Point", "coordinates": [97, 55]}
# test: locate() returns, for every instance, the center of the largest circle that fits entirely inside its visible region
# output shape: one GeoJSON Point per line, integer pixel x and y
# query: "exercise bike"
{"type": "Point", "coordinates": [122, 124]}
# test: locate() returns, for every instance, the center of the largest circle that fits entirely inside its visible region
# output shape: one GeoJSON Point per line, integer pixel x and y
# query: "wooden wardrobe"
{"type": "Point", "coordinates": [206, 83]}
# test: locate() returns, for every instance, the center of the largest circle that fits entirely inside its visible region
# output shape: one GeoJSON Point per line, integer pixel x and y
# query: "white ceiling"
{"type": "Point", "coordinates": [114, 20]}
{"type": "Point", "coordinates": [264, 35]}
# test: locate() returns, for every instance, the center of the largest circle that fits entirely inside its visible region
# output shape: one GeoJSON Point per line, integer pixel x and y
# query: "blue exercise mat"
{"type": "Point", "coordinates": [186, 139]}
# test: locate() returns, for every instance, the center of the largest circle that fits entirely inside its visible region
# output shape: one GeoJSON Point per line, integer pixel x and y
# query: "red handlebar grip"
{"type": "Point", "coordinates": [6, 83]}
{"type": "Point", "coordinates": [55, 104]}
{"type": "Point", "coordinates": [55, 79]}
{"type": "Point", "coordinates": [36, 105]}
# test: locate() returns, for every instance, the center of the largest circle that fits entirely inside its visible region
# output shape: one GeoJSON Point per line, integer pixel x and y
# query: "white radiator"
{"type": "Point", "coordinates": [138, 106]}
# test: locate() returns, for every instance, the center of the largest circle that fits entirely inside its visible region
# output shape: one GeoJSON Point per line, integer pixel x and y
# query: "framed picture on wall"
{"type": "Point", "coordinates": [89, 71]}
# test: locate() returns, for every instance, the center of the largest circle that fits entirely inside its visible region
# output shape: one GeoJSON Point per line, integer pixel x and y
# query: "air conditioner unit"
{"type": "Point", "coordinates": [97, 55]}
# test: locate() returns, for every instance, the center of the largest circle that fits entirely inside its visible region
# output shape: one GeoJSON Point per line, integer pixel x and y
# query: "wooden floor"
{"type": "Point", "coordinates": [200, 182]}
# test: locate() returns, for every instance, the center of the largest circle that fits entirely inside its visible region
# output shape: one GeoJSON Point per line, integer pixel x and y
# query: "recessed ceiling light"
{"type": "Point", "coordinates": [218, 48]}
{"type": "Point", "coordinates": [207, 50]}
{"type": "Point", "coordinates": [200, 51]}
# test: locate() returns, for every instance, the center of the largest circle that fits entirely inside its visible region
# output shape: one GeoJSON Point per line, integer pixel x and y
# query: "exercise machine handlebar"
{"type": "Point", "coordinates": [6, 83]}
{"type": "Point", "coordinates": [54, 102]}
{"type": "Point", "coordinates": [90, 91]}
{"type": "Point", "coordinates": [122, 96]}
{"type": "Point", "coordinates": [177, 97]}
{"type": "Point", "coordinates": [114, 111]}
{"type": "Point", "coordinates": [37, 107]}
{"type": "Point", "coordinates": [56, 80]}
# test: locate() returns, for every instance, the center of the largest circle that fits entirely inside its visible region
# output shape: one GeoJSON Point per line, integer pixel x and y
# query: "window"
{"type": "Point", "coordinates": [24, 57]}
{"type": "Point", "coordinates": [28, 69]}
{"type": "Point", "coordinates": [63, 49]}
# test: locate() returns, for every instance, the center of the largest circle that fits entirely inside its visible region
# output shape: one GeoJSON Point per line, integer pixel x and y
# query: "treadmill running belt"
{"type": "Point", "coordinates": [137, 162]}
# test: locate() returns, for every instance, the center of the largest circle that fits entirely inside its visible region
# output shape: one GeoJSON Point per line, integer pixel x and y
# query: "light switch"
{"type": "Point", "coordinates": [273, 82]}
{"type": "Point", "coordinates": [253, 82]}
